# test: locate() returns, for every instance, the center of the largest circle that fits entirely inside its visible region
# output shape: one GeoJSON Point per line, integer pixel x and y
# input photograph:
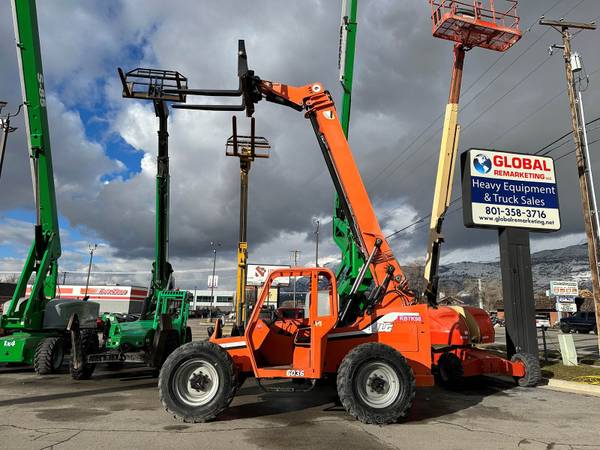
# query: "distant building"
{"type": "Point", "coordinates": [222, 300]}
{"type": "Point", "coordinates": [114, 299]}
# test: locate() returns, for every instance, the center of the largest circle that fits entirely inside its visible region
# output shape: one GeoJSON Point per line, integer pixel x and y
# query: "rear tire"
{"type": "Point", "coordinates": [197, 382]}
{"type": "Point", "coordinates": [375, 384]}
{"type": "Point", "coordinates": [566, 329]}
{"type": "Point", "coordinates": [89, 344]}
{"type": "Point", "coordinates": [188, 334]}
{"type": "Point", "coordinates": [533, 372]}
{"type": "Point", "coordinates": [49, 355]}
{"type": "Point", "coordinates": [450, 372]}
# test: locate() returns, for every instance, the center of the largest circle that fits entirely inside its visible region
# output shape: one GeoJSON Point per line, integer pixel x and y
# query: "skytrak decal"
{"type": "Point", "coordinates": [384, 324]}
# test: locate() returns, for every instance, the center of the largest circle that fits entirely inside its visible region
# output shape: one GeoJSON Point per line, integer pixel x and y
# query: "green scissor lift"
{"type": "Point", "coordinates": [33, 328]}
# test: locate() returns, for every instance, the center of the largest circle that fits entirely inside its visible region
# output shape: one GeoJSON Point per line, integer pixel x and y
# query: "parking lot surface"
{"type": "Point", "coordinates": [122, 409]}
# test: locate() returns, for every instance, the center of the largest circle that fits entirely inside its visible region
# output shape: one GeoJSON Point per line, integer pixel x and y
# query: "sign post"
{"type": "Point", "coordinates": [513, 193]}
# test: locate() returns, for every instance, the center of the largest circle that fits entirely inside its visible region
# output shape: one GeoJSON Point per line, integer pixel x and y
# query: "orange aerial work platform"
{"type": "Point", "coordinates": [476, 23]}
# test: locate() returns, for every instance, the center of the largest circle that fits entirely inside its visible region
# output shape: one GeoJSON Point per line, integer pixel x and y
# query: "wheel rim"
{"type": "Point", "coordinates": [378, 385]}
{"type": "Point", "coordinates": [57, 356]}
{"type": "Point", "coordinates": [196, 382]}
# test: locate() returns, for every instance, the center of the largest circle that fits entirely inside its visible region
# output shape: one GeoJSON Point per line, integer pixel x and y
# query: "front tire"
{"type": "Point", "coordinates": [375, 384]}
{"type": "Point", "coordinates": [566, 329]}
{"type": "Point", "coordinates": [197, 382]}
{"type": "Point", "coordinates": [533, 372]}
{"type": "Point", "coordinates": [49, 355]}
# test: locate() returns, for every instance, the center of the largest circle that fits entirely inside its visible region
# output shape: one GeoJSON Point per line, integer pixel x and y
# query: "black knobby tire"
{"type": "Point", "coordinates": [449, 372]}
{"type": "Point", "coordinates": [49, 355]}
{"type": "Point", "coordinates": [213, 371]}
{"type": "Point", "coordinates": [363, 389]}
{"type": "Point", "coordinates": [90, 344]}
{"type": "Point", "coordinates": [533, 372]}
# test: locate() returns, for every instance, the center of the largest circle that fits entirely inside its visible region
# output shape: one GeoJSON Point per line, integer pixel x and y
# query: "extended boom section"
{"type": "Point", "coordinates": [354, 199]}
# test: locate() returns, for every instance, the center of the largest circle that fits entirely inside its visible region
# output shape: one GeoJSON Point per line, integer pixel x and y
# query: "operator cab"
{"type": "Point", "coordinates": [293, 344]}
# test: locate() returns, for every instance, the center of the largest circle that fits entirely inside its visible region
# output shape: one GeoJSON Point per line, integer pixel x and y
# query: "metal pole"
{"type": "Point", "coordinates": [294, 254]}
{"type": "Point", "coordinates": [87, 281]}
{"type": "Point", "coordinates": [212, 282]}
{"type": "Point", "coordinates": [318, 222]}
{"type": "Point", "coordinates": [580, 154]}
{"type": "Point", "coordinates": [588, 165]}
{"type": "Point", "coordinates": [5, 130]}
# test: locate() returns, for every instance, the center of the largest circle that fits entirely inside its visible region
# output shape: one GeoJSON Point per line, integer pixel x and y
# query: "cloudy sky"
{"type": "Point", "coordinates": [104, 146]}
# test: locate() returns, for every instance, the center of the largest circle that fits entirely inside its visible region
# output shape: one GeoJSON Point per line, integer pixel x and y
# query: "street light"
{"type": "Point", "coordinates": [87, 282]}
{"type": "Point", "coordinates": [318, 224]}
{"type": "Point", "coordinates": [212, 281]}
{"type": "Point", "coordinates": [6, 128]}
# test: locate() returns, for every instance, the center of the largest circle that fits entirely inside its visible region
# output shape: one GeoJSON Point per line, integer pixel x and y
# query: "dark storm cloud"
{"type": "Point", "coordinates": [401, 82]}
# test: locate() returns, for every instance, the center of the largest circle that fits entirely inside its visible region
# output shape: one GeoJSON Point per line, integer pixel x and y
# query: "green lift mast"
{"type": "Point", "coordinates": [34, 325]}
{"type": "Point", "coordinates": [352, 258]}
{"type": "Point", "coordinates": [162, 325]}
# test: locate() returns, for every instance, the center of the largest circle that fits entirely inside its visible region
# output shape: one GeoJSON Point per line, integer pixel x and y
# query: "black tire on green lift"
{"type": "Point", "coordinates": [188, 334]}
{"type": "Point", "coordinates": [375, 384]}
{"type": "Point", "coordinates": [197, 382]}
{"type": "Point", "coordinates": [49, 355]}
{"type": "Point", "coordinates": [90, 344]}
{"type": "Point", "coordinates": [449, 372]}
{"type": "Point", "coordinates": [533, 372]}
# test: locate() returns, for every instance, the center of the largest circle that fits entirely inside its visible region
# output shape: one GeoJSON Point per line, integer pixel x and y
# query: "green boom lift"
{"type": "Point", "coordinates": [162, 325]}
{"type": "Point", "coordinates": [352, 258]}
{"type": "Point", "coordinates": [33, 328]}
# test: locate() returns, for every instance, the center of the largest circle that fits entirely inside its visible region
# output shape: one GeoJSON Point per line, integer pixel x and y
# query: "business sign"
{"type": "Point", "coordinates": [503, 189]}
{"type": "Point", "coordinates": [566, 304]}
{"type": "Point", "coordinates": [258, 273]}
{"type": "Point", "coordinates": [213, 281]}
{"type": "Point", "coordinates": [564, 288]}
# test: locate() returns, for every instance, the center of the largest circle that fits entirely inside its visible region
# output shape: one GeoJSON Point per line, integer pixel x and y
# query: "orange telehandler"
{"type": "Point", "coordinates": [379, 346]}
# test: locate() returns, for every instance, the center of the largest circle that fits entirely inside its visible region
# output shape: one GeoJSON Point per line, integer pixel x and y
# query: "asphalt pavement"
{"type": "Point", "coordinates": [122, 410]}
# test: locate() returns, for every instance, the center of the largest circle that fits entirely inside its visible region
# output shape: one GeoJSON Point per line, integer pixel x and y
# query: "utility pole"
{"type": "Point", "coordinates": [318, 224]}
{"type": "Point", "coordinates": [64, 278]}
{"type": "Point", "coordinates": [479, 293]}
{"type": "Point", "coordinates": [295, 255]}
{"type": "Point", "coordinates": [87, 281]}
{"type": "Point", "coordinates": [586, 186]}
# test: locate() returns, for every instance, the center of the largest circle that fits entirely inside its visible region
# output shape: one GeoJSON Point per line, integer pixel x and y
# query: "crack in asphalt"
{"type": "Point", "coordinates": [51, 446]}
{"type": "Point", "coordinates": [524, 440]}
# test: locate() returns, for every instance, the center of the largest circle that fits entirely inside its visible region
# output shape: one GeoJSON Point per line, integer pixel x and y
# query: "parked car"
{"type": "Point", "coordinates": [542, 321]}
{"type": "Point", "coordinates": [582, 321]}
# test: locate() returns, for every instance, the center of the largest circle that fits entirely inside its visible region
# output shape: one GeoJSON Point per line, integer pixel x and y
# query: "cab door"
{"type": "Point", "coordinates": [323, 316]}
